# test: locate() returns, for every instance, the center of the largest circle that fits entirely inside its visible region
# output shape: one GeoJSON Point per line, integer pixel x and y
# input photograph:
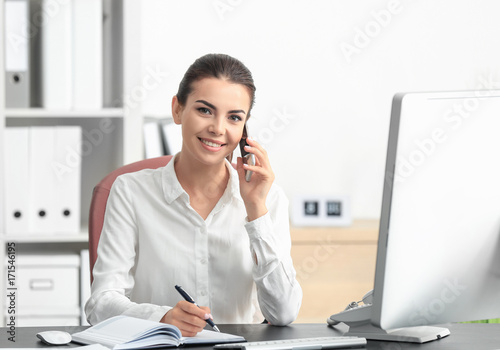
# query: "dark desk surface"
{"type": "Point", "coordinates": [479, 336]}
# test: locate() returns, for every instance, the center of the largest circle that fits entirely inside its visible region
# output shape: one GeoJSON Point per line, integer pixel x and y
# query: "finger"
{"type": "Point", "coordinates": [198, 315]}
{"type": "Point", "coordinates": [186, 333]}
{"type": "Point", "coordinates": [188, 330]}
{"type": "Point", "coordinates": [195, 311]}
{"type": "Point", "coordinates": [260, 157]}
{"type": "Point", "coordinates": [256, 145]}
{"type": "Point", "coordinates": [207, 312]}
{"type": "Point", "coordinates": [261, 160]}
{"type": "Point", "coordinates": [188, 324]}
{"type": "Point", "coordinates": [252, 142]}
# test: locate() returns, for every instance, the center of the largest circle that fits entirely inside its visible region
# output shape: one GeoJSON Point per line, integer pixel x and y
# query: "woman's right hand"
{"type": "Point", "coordinates": [188, 317]}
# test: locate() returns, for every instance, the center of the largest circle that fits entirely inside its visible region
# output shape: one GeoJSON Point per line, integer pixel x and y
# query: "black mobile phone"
{"type": "Point", "coordinates": [248, 158]}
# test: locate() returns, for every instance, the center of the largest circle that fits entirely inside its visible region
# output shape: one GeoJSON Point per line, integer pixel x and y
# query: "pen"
{"type": "Point", "coordinates": [188, 298]}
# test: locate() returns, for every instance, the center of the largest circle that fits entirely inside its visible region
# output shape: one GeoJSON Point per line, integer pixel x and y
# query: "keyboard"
{"type": "Point", "coordinates": [340, 342]}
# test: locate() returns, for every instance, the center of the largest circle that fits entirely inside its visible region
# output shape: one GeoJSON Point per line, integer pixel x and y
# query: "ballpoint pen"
{"type": "Point", "coordinates": [188, 298]}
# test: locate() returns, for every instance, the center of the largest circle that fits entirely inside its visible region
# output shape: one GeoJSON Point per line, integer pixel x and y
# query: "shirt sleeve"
{"type": "Point", "coordinates": [279, 294]}
{"type": "Point", "coordinates": [113, 270]}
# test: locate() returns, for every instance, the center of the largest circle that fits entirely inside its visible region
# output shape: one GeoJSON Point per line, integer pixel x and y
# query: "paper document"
{"type": "Point", "coordinates": [123, 332]}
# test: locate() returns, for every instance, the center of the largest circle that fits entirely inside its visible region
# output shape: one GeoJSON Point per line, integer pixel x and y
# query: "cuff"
{"type": "Point", "coordinates": [262, 243]}
{"type": "Point", "coordinates": [158, 314]}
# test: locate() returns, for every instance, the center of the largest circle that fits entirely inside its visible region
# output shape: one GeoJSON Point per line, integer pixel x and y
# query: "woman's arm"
{"type": "Point", "coordinates": [279, 293]}
{"type": "Point", "coordinates": [115, 267]}
{"type": "Point", "coordinates": [113, 270]}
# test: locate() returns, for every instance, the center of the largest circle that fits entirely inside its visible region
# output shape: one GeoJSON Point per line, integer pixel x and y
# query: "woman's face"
{"type": "Point", "coordinates": [212, 119]}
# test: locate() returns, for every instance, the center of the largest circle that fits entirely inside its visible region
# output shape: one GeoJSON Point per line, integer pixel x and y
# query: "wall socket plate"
{"type": "Point", "coordinates": [321, 210]}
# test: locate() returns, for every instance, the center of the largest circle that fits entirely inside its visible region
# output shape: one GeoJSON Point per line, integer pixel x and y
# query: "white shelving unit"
{"type": "Point", "coordinates": [121, 64]}
{"type": "Point", "coordinates": [45, 113]}
{"type": "Point", "coordinates": [3, 248]}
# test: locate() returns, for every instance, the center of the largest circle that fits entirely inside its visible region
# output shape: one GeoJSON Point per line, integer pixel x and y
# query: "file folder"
{"type": "Point", "coordinates": [42, 180]}
{"type": "Point", "coordinates": [87, 54]}
{"type": "Point", "coordinates": [153, 145]}
{"type": "Point", "coordinates": [67, 168]}
{"type": "Point", "coordinates": [57, 62]}
{"type": "Point", "coordinates": [16, 176]}
{"type": "Point", "coordinates": [172, 137]}
{"type": "Point", "coordinates": [16, 39]}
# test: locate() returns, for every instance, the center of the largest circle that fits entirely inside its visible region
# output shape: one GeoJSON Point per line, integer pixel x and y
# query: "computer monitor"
{"type": "Point", "coordinates": [438, 257]}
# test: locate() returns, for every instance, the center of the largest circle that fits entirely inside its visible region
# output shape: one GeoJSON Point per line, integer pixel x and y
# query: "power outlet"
{"type": "Point", "coordinates": [321, 210]}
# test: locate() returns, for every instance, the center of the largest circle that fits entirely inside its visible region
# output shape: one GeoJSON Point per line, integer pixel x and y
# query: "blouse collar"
{"type": "Point", "coordinates": [172, 188]}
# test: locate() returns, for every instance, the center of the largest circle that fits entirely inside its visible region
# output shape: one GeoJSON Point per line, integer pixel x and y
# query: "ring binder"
{"type": "Point", "coordinates": [17, 75]}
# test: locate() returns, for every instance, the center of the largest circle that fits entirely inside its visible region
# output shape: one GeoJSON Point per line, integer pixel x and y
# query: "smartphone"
{"type": "Point", "coordinates": [248, 158]}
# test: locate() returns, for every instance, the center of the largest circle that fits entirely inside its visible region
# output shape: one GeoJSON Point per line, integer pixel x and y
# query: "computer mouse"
{"type": "Point", "coordinates": [54, 337]}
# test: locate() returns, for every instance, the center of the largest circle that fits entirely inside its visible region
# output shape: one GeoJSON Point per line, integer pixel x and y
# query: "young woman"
{"type": "Point", "coordinates": [197, 222]}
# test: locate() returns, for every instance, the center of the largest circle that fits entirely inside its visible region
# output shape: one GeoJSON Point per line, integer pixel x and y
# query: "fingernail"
{"type": "Point", "coordinates": [208, 316]}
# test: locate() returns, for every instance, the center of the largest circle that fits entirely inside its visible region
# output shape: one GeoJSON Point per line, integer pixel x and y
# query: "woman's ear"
{"type": "Point", "coordinates": [176, 110]}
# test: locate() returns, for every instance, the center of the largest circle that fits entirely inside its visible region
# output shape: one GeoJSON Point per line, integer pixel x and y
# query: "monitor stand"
{"type": "Point", "coordinates": [420, 334]}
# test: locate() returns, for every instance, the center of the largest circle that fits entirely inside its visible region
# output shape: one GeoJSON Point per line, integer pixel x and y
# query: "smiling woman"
{"type": "Point", "coordinates": [213, 115]}
{"type": "Point", "coordinates": [197, 223]}
{"type": "Point", "coordinates": [223, 68]}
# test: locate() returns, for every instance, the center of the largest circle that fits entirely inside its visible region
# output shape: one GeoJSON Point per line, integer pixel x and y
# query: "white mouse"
{"type": "Point", "coordinates": [54, 337]}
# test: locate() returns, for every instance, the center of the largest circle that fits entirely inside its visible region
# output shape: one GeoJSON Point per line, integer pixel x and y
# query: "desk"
{"type": "Point", "coordinates": [476, 336]}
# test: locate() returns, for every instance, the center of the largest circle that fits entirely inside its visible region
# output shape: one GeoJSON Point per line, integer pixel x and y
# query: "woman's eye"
{"type": "Point", "coordinates": [204, 110]}
{"type": "Point", "coordinates": [235, 118]}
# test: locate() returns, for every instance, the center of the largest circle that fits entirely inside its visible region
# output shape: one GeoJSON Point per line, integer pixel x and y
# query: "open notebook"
{"type": "Point", "coordinates": [123, 332]}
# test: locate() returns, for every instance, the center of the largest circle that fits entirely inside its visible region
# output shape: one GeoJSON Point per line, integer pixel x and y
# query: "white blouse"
{"type": "Point", "coordinates": [152, 239]}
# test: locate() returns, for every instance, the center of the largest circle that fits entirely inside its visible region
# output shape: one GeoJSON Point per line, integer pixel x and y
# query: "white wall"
{"type": "Point", "coordinates": [334, 106]}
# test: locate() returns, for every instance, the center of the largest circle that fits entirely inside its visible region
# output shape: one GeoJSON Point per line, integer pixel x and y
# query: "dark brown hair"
{"type": "Point", "coordinates": [218, 66]}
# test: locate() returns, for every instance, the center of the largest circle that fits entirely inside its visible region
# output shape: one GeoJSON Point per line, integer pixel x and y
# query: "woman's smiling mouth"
{"type": "Point", "coordinates": [211, 144]}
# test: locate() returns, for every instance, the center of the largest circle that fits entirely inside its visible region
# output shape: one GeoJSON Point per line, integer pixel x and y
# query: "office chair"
{"type": "Point", "coordinates": [100, 197]}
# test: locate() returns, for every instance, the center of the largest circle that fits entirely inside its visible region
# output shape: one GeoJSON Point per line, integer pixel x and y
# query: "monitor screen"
{"type": "Point", "coordinates": [438, 254]}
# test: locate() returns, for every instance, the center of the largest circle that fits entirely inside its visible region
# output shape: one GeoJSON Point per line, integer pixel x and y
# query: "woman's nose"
{"type": "Point", "coordinates": [217, 126]}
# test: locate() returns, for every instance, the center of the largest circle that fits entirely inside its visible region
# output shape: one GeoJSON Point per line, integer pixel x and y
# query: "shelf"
{"type": "Point", "coordinates": [46, 238]}
{"type": "Point", "coordinates": [47, 113]}
{"type": "Point", "coordinates": [81, 237]}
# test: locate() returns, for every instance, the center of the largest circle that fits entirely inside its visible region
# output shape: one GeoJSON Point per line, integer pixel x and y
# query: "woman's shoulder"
{"type": "Point", "coordinates": [140, 178]}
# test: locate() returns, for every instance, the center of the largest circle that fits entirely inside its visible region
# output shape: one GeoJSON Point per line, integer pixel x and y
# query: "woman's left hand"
{"type": "Point", "coordinates": [254, 192]}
